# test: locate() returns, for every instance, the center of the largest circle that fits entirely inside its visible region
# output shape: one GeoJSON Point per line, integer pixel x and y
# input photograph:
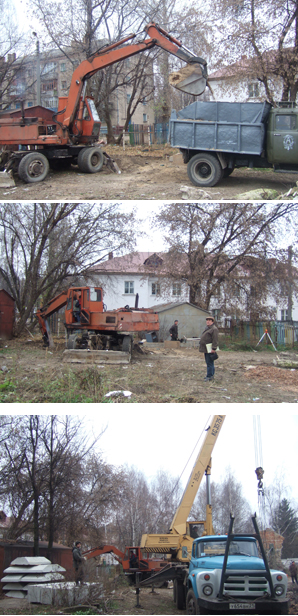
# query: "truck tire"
{"type": "Point", "coordinates": [179, 595]}
{"type": "Point", "coordinates": [191, 603]}
{"type": "Point", "coordinates": [127, 344]}
{"type": "Point", "coordinates": [204, 170]}
{"type": "Point", "coordinates": [90, 160]}
{"type": "Point", "coordinates": [72, 341]}
{"type": "Point", "coordinates": [33, 167]}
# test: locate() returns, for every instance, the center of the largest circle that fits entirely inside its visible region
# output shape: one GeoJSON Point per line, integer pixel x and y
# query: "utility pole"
{"type": "Point", "coordinates": [290, 284]}
{"type": "Point", "coordinates": [37, 69]}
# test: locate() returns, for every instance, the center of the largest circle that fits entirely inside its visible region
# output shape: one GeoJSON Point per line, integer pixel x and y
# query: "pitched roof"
{"type": "Point", "coordinates": [133, 263]}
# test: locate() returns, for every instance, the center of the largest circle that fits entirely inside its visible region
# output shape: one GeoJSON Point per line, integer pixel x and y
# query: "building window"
{"type": "Point", "coordinates": [216, 313]}
{"type": "Point", "coordinates": [129, 287]}
{"type": "Point", "coordinates": [176, 289]}
{"type": "Point", "coordinates": [155, 288]}
{"type": "Point", "coordinates": [253, 90]}
{"type": "Point", "coordinates": [63, 67]}
{"type": "Point", "coordinates": [64, 85]}
{"type": "Point", "coordinates": [284, 315]}
{"type": "Point", "coordinates": [18, 105]}
{"type": "Point", "coordinates": [30, 104]}
{"type": "Point", "coordinates": [145, 117]}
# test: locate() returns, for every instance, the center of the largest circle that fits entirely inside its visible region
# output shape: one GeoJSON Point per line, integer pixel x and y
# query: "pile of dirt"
{"type": "Point", "coordinates": [284, 378]}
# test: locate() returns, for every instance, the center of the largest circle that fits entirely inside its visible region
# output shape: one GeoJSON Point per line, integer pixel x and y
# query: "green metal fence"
{"type": "Point", "coordinates": [281, 332]}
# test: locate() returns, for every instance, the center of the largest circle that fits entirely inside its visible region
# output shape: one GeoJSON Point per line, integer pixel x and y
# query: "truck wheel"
{"type": "Point", "coordinates": [90, 160]}
{"type": "Point", "coordinates": [179, 595]}
{"type": "Point", "coordinates": [204, 170]}
{"type": "Point", "coordinates": [33, 167]}
{"type": "Point", "coordinates": [191, 603]}
{"type": "Point", "coordinates": [72, 341]}
{"type": "Point", "coordinates": [127, 344]}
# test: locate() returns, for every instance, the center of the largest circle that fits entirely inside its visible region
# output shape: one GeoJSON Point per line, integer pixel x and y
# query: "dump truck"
{"type": "Point", "coordinates": [90, 327]}
{"type": "Point", "coordinates": [36, 138]}
{"type": "Point", "coordinates": [227, 573]}
{"type": "Point", "coordinates": [217, 137]}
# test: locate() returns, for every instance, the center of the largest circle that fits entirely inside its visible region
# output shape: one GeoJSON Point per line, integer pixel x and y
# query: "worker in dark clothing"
{"type": "Point", "coordinates": [78, 563]}
{"type": "Point", "coordinates": [293, 572]}
{"type": "Point", "coordinates": [209, 337]}
{"type": "Point", "coordinates": [77, 309]}
{"type": "Point", "coordinates": [174, 331]}
{"type": "Point", "coordinates": [133, 561]}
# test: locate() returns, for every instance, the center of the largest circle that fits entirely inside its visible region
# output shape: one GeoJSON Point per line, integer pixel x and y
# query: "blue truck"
{"type": "Point", "coordinates": [216, 137]}
{"type": "Point", "coordinates": [227, 574]}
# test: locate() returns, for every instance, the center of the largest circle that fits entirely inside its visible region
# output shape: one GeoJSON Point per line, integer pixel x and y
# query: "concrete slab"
{"type": "Point", "coordinates": [16, 594]}
{"type": "Point", "coordinates": [51, 568]}
{"type": "Point", "coordinates": [12, 578]}
{"type": "Point", "coordinates": [14, 586]}
{"type": "Point", "coordinates": [82, 356]}
{"type": "Point", "coordinates": [66, 593]}
{"type": "Point", "coordinates": [31, 560]}
{"type": "Point", "coordinates": [42, 577]}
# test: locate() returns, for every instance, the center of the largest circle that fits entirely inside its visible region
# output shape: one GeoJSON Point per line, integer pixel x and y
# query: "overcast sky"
{"type": "Point", "coordinates": [162, 437]}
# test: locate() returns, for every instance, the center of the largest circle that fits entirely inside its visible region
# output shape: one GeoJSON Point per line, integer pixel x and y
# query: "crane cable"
{"type": "Point", "coordinates": [259, 468]}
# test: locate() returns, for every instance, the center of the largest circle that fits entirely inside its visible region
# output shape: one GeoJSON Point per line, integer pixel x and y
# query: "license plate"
{"type": "Point", "coordinates": [242, 606]}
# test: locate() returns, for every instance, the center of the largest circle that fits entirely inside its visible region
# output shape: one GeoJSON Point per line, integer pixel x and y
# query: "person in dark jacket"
{"type": "Point", "coordinates": [174, 331]}
{"type": "Point", "coordinates": [78, 563]}
{"type": "Point", "coordinates": [293, 572]}
{"type": "Point", "coordinates": [209, 336]}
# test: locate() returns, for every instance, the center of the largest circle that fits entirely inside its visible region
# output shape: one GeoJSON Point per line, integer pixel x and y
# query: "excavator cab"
{"type": "Point", "coordinates": [81, 302]}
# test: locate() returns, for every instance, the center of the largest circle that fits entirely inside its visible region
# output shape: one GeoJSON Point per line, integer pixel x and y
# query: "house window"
{"type": "Point", "coordinates": [253, 90]}
{"type": "Point", "coordinates": [216, 313]}
{"type": "Point", "coordinates": [64, 85]}
{"type": "Point", "coordinates": [176, 289]}
{"type": "Point", "coordinates": [18, 105]}
{"type": "Point", "coordinates": [62, 67]}
{"type": "Point", "coordinates": [145, 117]}
{"type": "Point", "coordinates": [30, 104]}
{"type": "Point", "coordinates": [129, 287]}
{"type": "Point", "coordinates": [155, 288]}
{"type": "Point", "coordinates": [284, 315]}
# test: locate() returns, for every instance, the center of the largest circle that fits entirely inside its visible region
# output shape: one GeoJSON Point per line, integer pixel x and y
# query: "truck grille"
{"type": "Point", "coordinates": [246, 585]}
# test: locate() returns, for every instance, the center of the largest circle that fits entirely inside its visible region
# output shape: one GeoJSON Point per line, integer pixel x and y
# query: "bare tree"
{"type": "Point", "coordinates": [211, 246]}
{"type": "Point", "coordinates": [226, 498]}
{"type": "Point", "coordinates": [46, 245]}
{"type": "Point", "coordinates": [266, 32]}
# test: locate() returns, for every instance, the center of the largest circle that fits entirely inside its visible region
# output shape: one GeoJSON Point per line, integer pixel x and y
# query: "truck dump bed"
{"type": "Point", "coordinates": [219, 126]}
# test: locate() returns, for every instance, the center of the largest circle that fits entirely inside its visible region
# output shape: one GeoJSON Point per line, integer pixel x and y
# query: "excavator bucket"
{"type": "Point", "coordinates": [6, 179]}
{"type": "Point", "coordinates": [189, 79]}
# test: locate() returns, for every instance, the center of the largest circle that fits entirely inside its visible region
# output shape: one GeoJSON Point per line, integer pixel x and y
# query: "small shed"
{"type": "Point", "coordinates": [7, 314]}
{"type": "Point", "coordinates": [191, 319]}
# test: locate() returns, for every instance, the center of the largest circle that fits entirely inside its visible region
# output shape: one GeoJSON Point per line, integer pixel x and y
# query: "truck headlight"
{"type": "Point", "coordinates": [207, 590]}
{"type": "Point", "coordinates": [279, 590]}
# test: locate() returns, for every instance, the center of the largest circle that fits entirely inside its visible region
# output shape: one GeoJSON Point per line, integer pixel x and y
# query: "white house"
{"type": "Point", "coordinates": [125, 278]}
{"type": "Point", "coordinates": [139, 278]}
{"type": "Point", "coordinates": [239, 83]}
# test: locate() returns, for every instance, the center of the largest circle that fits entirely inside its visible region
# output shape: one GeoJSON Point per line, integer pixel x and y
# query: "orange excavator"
{"type": "Point", "coordinates": [70, 134]}
{"type": "Point", "coordinates": [90, 327]}
{"type": "Point", "coordinates": [133, 560]}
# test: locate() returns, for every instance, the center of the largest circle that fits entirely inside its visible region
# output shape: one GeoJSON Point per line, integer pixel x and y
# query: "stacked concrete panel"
{"type": "Point", "coordinates": [26, 571]}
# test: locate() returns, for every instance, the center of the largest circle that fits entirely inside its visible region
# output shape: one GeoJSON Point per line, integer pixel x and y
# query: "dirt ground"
{"type": "Point", "coordinates": [30, 373]}
{"type": "Point", "coordinates": [161, 602]}
{"type": "Point", "coordinates": [145, 175]}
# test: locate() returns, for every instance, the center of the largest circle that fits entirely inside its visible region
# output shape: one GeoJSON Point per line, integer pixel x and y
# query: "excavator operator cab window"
{"type": "Point", "coordinates": [95, 295]}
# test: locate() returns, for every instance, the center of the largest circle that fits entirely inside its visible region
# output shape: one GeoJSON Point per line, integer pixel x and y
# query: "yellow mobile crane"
{"type": "Point", "coordinates": [178, 541]}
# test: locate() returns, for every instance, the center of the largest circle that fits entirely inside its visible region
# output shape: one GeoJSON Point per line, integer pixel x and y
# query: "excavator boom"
{"type": "Point", "coordinates": [119, 51]}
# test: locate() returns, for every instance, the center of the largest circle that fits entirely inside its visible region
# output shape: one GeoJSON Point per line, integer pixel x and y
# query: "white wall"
{"type": "Point", "coordinates": [115, 297]}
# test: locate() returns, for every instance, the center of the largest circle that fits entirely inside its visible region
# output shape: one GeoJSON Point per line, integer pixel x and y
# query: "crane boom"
{"type": "Point", "coordinates": [201, 465]}
{"type": "Point", "coordinates": [178, 541]}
